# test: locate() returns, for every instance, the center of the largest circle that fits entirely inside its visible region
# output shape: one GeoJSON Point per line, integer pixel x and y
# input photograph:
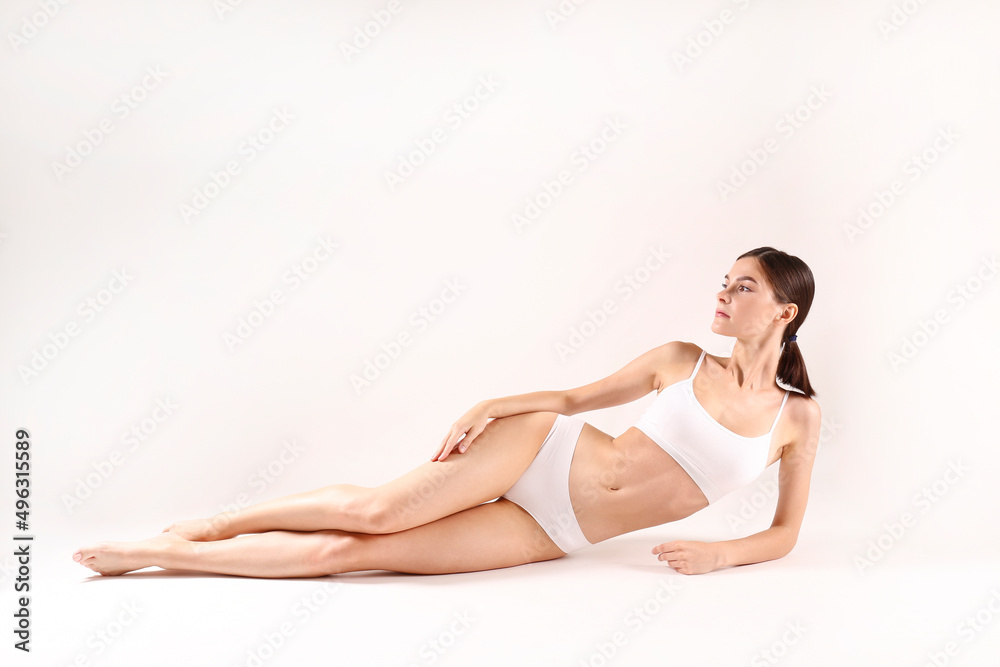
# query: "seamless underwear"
{"type": "Point", "coordinates": [717, 459]}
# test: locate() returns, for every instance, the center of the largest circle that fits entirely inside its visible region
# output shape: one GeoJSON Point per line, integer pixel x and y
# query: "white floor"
{"type": "Point", "coordinates": [609, 604]}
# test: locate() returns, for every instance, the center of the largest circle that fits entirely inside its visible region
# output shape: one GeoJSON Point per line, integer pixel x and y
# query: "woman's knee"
{"type": "Point", "coordinates": [353, 508]}
{"type": "Point", "coordinates": [335, 551]}
{"type": "Point", "coordinates": [377, 513]}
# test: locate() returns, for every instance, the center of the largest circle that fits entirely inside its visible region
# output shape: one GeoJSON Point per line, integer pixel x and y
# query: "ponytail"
{"type": "Point", "coordinates": [792, 367]}
{"type": "Point", "coordinates": [791, 281]}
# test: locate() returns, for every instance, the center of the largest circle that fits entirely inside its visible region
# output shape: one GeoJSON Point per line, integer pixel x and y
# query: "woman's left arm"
{"type": "Point", "coordinates": [794, 474]}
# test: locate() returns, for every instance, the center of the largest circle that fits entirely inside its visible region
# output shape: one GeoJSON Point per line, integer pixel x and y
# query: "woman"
{"type": "Point", "coordinates": [559, 484]}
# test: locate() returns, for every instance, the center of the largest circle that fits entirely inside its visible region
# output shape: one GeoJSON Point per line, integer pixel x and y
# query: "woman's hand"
{"type": "Point", "coordinates": [689, 557]}
{"type": "Point", "coordinates": [471, 424]}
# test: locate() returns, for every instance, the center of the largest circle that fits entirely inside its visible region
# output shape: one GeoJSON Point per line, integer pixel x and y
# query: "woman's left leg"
{"type": "Point", "coordinates": [432, 490]}
{"type": "Point", "coordinates": [492, 535]}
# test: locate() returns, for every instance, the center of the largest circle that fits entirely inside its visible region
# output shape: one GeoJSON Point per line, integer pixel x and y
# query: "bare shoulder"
{"type": "Point", "coordinates": [802, 425]}
{"type": "Point", "coordinates": [674, 362]}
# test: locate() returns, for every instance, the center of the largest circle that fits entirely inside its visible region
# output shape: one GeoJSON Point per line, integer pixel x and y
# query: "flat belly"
{"type": "Point", "coordinates": [618, 485]}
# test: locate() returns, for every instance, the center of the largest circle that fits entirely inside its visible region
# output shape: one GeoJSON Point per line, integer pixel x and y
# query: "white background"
{"type": "Point", "coordinates": [890, 429]}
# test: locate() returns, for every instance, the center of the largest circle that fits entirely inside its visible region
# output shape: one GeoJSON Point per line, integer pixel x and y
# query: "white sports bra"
{"type": "Point", "coordinates": [717, 459]}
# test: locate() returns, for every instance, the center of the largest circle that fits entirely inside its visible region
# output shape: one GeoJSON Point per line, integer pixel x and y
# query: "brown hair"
{"type": "Point", "coordinates": [791, 281]}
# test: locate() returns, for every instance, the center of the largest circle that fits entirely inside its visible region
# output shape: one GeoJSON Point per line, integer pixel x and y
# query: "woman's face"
{"type": "Point", "coordinates": [746, 307]}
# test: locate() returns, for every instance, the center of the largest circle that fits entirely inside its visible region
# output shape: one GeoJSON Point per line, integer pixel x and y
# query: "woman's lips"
{"type": "Point", "coordinates": [719, 313]}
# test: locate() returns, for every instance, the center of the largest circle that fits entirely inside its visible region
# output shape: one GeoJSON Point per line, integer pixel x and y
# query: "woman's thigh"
{"type": "Point", "coordinates": [436, 489]}
{"type": "Point", "coordinates": [489, 536]}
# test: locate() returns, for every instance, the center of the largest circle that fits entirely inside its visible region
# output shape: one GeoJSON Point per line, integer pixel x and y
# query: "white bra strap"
{"type": "Point", "coordinates": [779, 411]}
{"type": "Point", "coordinates": [697, 366]}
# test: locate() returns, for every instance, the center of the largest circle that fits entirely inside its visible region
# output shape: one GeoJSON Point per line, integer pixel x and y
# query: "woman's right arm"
{"type": "Point", "coordinates": [630, 383]}
{"type": "Point", "coordinates": [633, 381]}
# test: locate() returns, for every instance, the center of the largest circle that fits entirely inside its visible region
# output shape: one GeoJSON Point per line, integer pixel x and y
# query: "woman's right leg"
{"type": "Point", "coordinates": [432, 490]}
{"type": "Point", "coordinates": [489, 536]}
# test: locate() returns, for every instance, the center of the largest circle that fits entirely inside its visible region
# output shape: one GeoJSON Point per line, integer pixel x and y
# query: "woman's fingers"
{"type": "Point", "coordinates": [437, 454]}
{"type": "Point", "coordinates": [440, 454]}
{"type": "Point", "coordinates": [469, 437]}
{"type": "Point", "coordinates": [445, 451]}
{"type": "Point", "coordinates": [446, 447]}
{"type": "Point", "coordinates": [458, 438]}
{"type": "Point", "coordinates": [463, 432]}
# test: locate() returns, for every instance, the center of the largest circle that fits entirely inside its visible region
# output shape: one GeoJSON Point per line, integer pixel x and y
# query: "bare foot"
{"type": "Point", "coordinates": [114, 558]}
{"type": "Point", "coordinates": [201, 530]}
